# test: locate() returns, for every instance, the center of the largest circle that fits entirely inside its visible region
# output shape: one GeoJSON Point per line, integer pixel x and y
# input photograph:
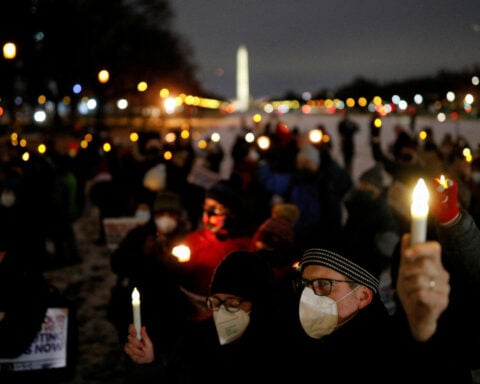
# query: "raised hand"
{"type": "Point", "coordinates": [422, 286]}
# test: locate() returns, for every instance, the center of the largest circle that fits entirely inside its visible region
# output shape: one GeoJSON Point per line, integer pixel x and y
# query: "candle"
{"type": "Point", "coordinates": [136, 311]}
{"type": "Point", "coordinates": [419, 212]}
{"type": "Point", "coordinates": [182, 253]}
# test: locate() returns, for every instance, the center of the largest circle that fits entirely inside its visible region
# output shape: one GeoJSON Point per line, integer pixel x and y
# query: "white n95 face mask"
{"type": "Point", "coordinates": [230, 326]}
{"type": "Point", "coordinates": [166, 224]}
{"type": "Point", "coordinates": [318, 314]}
{"type": "Point", "coordinates": [7, 198]}
{"type": "Point", "coordinates": [142, 214]}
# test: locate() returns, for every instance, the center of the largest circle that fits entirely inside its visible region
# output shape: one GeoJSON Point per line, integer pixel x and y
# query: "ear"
{"type": "Point", "coordinates": [365, 296]}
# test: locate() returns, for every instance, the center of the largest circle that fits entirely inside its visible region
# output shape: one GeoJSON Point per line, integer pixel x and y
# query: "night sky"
{"type": "Point", "coordinates": [310, 45]}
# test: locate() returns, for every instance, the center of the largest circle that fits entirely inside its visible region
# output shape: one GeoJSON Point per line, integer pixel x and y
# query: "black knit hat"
{"type": "Point", "coordinates": [341, 264]}
{"type": "Point", "coordinates": [244, 274]}
{"type": "Point", "coordinates": [226, 194]}
{"type": "Point", "coordinates": [373, 176]}
{"type": "Point", "coordinates": [167, 201]}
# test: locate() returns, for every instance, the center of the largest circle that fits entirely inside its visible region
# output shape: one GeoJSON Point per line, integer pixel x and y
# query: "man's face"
{"type": "Point", "coordinates": [214, 215]}
{"type": "Point", "coordinates": [347, 306]}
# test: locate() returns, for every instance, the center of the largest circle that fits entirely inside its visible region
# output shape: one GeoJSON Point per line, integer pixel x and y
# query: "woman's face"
{"type": "Point", "coordinates": [214, 215]}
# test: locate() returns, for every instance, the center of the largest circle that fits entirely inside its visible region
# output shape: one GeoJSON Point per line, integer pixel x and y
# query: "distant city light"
{"type": "Point", "coordinates": [402, 105]}
{"type": "Point", "coordinates": [263, 142]}
{"type": "Point", "coordinates": [107, 147]}
{"type": "Point", "coordinates": [185, 133]}
{"type": "Point", "coordinates": [475, 80]}
{"type": "Point", "coordinates": [91, 104]}
{"type": "Point", "coordinates": [82, 108]}
{"type": "Point", "coordinates": [122, 104]}
{"type": "Point", "coordinates": [103, 76]}
{"type": "Point", "coordinates": [42, 148]}
{"type": "Point", "coordinates": [169, 104]}
{"type": "Point", "coordinates": [40, 116]}
{"type": "Point", "coordinates": [164, 92]}
{"type": "Point", "coordinates": [170, 137]}
{"type": "Point", "coordinates": [306, 96]}
{"type": "Point", "coordinates": [39, 36]}
{"type": "Point", "coordinates": [283, 108]}
{"type": "Point", "coordinates": [377, 123]}
{"type": "Point", "coordinates": [350, 102]}
{"type": "Point", "coordinates": [450, 96]}
{"type": "Point", "coordinates": [134, 137]}
{"type": "Point", "coordinates": [77, 88]}
{"type": "Point", "coordinates": [441, 117]}
{"type": "Point", "coordinates": [469, 98]}
{"type": "Point", "coordinates": [249, 137]}
{"type": "Point", "coordinates": [362, 101]}
{"type": "Point", "coordinates": [268, 108]}
{"type": "Point", "coordinates": [142, 86]}
{"type": "Point", "coordinates": [418, 99]}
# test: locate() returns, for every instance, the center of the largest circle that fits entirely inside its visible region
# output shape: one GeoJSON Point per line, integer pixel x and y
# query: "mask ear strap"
{"type": "Point", "coordinates": [347, 319]}
{"type": "Point", "coordinates": [348, 293]}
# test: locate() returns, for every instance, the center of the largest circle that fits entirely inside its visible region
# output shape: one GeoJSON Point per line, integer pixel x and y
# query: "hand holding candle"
{"type": "Point", "coordinates": [136, 311]}
{"type": "Point", "coordinates": [445, 201]}
{"type": "Point", "coordinates": [419, 212]}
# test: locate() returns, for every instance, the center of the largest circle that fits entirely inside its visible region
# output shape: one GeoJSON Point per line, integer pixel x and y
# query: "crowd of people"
{"type": "Point", "coordinates": [284, 256]}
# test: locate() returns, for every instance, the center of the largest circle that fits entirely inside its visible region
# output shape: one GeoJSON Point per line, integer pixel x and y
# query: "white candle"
{"type": "Point", "coordinates": [419, 212]}
{"type": "Point", "coordinates": [136, 311]}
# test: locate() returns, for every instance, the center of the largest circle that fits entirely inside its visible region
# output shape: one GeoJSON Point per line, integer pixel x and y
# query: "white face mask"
{"type": "Point", "coordinates": [230, 326]}
{"type": "Point", "coordinates": [253, 155]}
{"type": "Point", "coordinates": [318, 314]}
{"type": "Point", "coordinates": [166, 224]}
{"type": "Point", "coordinates": [142, 214]}
{"type": "Point", "coordinates": [7, 199]}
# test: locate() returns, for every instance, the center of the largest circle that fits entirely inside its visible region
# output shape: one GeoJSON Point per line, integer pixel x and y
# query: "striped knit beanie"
{"type": "Point", "coordinates": [341, 264]}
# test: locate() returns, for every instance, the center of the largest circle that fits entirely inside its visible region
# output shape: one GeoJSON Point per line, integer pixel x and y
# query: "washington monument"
{"type": "Point", "coordinates": [243, 88]}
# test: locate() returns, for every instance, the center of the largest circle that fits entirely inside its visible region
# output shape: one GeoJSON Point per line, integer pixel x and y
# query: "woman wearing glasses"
{"type": "Point", "coordinates": [240, 339]}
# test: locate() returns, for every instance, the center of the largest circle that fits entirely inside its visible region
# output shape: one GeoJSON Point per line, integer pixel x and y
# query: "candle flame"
{"type": "Point", "coordinates": [443, 182]}
{"type": "Point", "coordinates": [135, 296]}
{"type": "Point", "coordinates": [182, 253]}
{"type": "Point", "coordinates": [420, 198]}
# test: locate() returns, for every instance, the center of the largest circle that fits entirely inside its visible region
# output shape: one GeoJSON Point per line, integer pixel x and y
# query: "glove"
{"type": "Point", "coordinates": [445, 203]}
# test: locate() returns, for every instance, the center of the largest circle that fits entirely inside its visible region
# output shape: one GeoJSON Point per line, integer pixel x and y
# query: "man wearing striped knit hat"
{"type": "Point", "coordinates": [346, 334]}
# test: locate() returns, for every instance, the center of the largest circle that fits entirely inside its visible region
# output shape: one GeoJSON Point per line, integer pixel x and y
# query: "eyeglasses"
{"type": "Point", "coordinates": [231, 304]}
{"type": "Point", "coordinates": [321, 287]}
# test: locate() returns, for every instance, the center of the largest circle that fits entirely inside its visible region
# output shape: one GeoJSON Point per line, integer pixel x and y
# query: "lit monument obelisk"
{"type": "Point", "coordinates": [243, 88]}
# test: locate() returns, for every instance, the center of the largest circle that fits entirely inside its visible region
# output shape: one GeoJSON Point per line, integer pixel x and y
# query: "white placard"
{"type": "Point", "coordinates": [49, 349]}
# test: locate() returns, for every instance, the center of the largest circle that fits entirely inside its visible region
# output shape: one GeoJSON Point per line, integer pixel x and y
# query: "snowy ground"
{"type": "Point", "coordinates": [228, 127]}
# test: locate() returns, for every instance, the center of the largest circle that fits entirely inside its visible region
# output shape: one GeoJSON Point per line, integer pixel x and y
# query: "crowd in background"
{"type": "Point", "coordinates": [278, 203]}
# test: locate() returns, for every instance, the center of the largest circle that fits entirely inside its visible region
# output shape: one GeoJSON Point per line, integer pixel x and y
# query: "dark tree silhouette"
{"type": "Point", "coordinates": [63, 42]}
